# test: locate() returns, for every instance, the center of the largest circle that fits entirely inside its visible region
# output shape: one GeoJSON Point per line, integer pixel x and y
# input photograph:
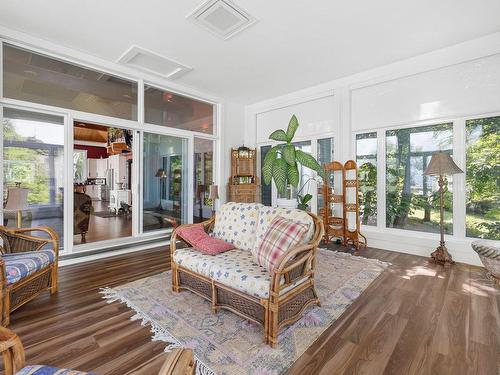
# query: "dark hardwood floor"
{"type": "Point", "coordinates": [416, 318]}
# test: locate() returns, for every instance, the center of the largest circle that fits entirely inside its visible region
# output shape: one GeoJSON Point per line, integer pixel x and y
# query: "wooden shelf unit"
{"type": "Point", "coordinates": [243, 184]}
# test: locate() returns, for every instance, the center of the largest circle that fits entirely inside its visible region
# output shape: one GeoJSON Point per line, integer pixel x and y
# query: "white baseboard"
{"type": "Point", "coordinates": [422, 244]}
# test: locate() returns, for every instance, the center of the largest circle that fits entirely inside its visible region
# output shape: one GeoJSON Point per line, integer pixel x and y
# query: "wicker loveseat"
{"type": "Point", "coordinates": [233, 281]}
{"type": "Point", "coordinates": [28, 266]}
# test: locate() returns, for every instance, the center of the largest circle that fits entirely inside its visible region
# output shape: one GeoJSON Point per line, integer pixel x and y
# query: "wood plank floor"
{"type": "Point", "coordinates": [416, 318]}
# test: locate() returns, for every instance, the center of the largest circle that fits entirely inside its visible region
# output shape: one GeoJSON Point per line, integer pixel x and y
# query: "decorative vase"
{"type": "Point", "coordinates": [288, 199]}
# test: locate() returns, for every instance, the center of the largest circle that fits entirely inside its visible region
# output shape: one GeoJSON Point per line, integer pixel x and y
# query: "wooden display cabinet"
{"type": "Point", "coordinates": [243, 184]}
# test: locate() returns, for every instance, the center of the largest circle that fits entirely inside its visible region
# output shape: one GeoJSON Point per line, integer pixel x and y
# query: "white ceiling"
{"type": "Point", "coordinates": [295, 43]}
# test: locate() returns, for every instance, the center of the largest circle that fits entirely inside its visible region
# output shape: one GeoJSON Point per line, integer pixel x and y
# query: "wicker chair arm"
{"type": "Point", "coordinates": [16, 237]}
{"type": "Point", "coordinates": [207, 224]}
{"type": "Point", "coordinates": [12, 351]}
{"type": "Point", "coordinates": [179, 362]}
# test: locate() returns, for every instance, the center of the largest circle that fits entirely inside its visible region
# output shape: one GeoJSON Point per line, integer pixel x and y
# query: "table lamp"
{"type": "Point", "coordinates": [441, 164]}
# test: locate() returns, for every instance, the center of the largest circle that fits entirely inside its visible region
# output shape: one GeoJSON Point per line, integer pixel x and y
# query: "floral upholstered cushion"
{"type": "Point", "coordinates": [47, 370]}
{"type": "Point", "coordinates": [235, 268]}
{"type": "Point", "coordinates": [236, 223]}
{"type": "Point", "coordinates": [21, 265]}
{"type": "Point", "coordinates": [201, 241]}
{"type": "Point", "coordinates": [281, 236]}
{"type": "Point", "coordinates": [267, 214]}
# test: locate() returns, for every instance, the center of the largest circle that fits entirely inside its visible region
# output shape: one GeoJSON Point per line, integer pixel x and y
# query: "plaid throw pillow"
{"type": "Point", "coordinates": [281, 235]}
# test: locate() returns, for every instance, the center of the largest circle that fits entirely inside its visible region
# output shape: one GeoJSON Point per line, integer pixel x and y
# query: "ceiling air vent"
{"type": "Point", "coordinates": [221, 17]}
{"type": "Point", "coordinates": [153, 63]}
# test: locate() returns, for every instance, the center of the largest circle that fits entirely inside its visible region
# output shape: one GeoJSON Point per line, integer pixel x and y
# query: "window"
{"type": "Point", "coordinates": [266, 190]}
{"type": "Point", "coordinates": [412, 200]}
{"type": "Point", "coordinates": [366, 158]}
{"type": "Point", "coordinates": [41, 79]}
{"type": "Point", "coordinates": [325, 155]}
{"type": "Point", "coordinates": [79, 166]}
{"type": "Point", "coordinates": [33, 169]}
{"type": "Point", "coordinates": [173, 110]}
{"type": "Point", "coordinates": [483, 178]}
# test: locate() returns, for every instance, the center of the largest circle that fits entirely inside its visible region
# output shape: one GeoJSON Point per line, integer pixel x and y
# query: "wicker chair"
{"type": "Point", "coordinates": [178, 362]}
{"type": "Point", "coordinates": [16, 241]}
{"type": "Point", "coordinates": [291, 288]}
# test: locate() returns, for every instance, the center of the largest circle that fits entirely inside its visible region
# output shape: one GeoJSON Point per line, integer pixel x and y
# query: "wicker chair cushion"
{"type": "Point", "coordinates": [235, 268]}
{"type": "Point", "coordinates": [47, 370]}
{"type": "Point", "coordinates": [267, 215]}
{"type": "Point", "coordinates": [236, 223]}
{"type": "Point", "coordinates": [21, 265]}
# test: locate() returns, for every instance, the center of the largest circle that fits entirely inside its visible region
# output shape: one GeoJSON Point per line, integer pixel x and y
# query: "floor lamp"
{"type": "Point", "coordinates": [441, 164]}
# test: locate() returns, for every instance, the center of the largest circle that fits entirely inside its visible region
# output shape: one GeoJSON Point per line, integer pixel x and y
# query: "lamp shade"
{"type": "Point", "coordinates": [441, 164]}
{"type": "Point", "coordinates": [214, 192]}
{"type": "Point", "coordinates": [160, 173]}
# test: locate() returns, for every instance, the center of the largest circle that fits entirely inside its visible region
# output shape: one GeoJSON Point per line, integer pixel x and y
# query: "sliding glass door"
{"type": "Point", "coordinates": [165, 181]}
{"type": "Point", "coordinates": [33, 169]}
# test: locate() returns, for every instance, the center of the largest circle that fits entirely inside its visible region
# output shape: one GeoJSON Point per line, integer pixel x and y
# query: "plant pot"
{"type": "Point", "coordinates": [286, 203]}
{"type": "Point", "coordinates": [288, 199]}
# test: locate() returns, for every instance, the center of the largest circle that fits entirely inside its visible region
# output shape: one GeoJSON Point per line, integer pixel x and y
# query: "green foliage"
{"type": "Point", "coordinates": [303, 201]}
{"type": "Point", "coordinates": [367, 174]}
{"type": "Point", "coordinates": [483, 176]}
{"type": "Point", "coordinates": [280, 163]}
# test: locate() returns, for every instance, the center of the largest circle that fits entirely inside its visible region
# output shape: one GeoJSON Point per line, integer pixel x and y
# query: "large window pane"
{"type": "Point", "coordinates": [173, 110]}
{"type": "Point", "coordinates": [412, 199]}
{"type": "Point", "coordinates": [203, 178]}
{"type": "Point", "coordinates": [41, 79]}
{"type": "Point", "coordinates": [33, 165]}
{"type": "Point", "coordinates": [483, 178]}
{"type": "Point", "coordinates": [325, 155]}
{"type": "Point", "coordinates": [165, 181]}
{"type": "Point", "coordinates": [266, 190]}
{"type": "Point", "coordinates": [366, 158]}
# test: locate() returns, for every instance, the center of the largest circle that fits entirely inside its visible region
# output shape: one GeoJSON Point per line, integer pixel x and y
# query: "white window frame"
{"type": "Point", "coordinates": [137, 126]}
{"type": "Point", "coordinates": [459, 182]}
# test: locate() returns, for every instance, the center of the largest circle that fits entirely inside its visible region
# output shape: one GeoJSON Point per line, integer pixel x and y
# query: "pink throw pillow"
{"type": "Point", "coordinates": [281, 236]}
{"type": "Point", "coordinates": [196, 236]}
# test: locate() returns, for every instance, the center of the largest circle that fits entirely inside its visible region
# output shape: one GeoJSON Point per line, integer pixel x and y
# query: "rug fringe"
{"type": "Point", "coordinates": [349, 255]}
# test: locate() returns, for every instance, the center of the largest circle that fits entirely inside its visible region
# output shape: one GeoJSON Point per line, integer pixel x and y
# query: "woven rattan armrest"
{"type": "Point", "coordinates": [12, 351]}
{"type": "Point", "coordinates": [9, 234]}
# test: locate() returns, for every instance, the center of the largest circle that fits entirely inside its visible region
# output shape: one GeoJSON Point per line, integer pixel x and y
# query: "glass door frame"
{"type": "Point", "coordinates": [140, 188]}
{"type": "Point", "coordinates": [67, 244]}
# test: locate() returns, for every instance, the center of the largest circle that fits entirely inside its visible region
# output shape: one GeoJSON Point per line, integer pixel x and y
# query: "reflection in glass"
{"type": "Point", "coordinates": [177, 111]}
{"type": "Point", "coordinates": [203, 178]}
{"type": "Point", "coordinates": [483, 178]}
{"type": "Point", "coordinates": [266, 190]}
{"type": "Point", "coordinates": [366, 158]}
{"type": "Point", "coordinates": [412, 199]}
{"type": "Point", "coordinates": [41, 79]}
{"type": "Point", "coordinates": [165, 194]}
{"type": "Point", "coordinates": [33, 169]}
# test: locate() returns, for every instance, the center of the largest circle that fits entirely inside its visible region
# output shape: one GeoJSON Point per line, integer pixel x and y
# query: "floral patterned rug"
{"type": "Point", "coordinates": [225, 343]}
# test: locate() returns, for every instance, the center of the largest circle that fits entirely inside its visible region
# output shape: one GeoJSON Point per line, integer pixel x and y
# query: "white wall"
{"type": "Point", "coordinates": [452, 83]}
{"type": "Point", "coordinates": [316, 117]}
{"type": "Point", "coordinates": [460, 90]}
{"type": "Point", "coordinates": [233, 135]}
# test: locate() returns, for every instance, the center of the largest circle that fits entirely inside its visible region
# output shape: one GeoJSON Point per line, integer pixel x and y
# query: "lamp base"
{"type": "Point", "coordinates": [441, 256]}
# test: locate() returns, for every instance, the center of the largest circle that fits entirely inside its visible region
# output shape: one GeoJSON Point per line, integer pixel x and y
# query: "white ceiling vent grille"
{"type": "Point", "coordinates": [153, 63]}
{"type": "Point", "coordinates": [221, 17]}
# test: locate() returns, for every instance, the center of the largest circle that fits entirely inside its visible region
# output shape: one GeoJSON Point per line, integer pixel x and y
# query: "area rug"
{"type": "Point", "coordinates": [226, 344]}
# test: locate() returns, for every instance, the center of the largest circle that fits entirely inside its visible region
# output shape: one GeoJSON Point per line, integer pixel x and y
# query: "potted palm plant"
{"type": "Point", "coordinates": [281, 164]}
